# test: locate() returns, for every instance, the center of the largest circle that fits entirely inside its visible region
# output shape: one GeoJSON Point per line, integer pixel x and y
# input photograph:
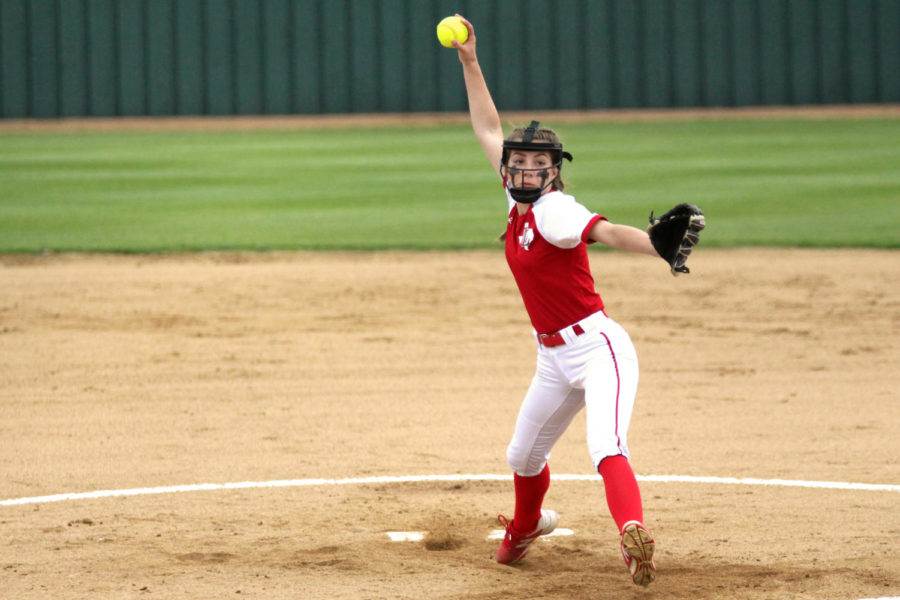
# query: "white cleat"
{"type": "Point", "coordinates": [637, 550]}
{"type": "Point", "coordinates": [515, 543]}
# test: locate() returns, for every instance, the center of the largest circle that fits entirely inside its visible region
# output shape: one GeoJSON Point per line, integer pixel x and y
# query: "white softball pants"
{"type": "Point", "coordinates": [597, 370]}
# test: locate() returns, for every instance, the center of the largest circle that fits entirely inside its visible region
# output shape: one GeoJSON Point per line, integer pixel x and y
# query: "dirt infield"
{"type": "Point", "coordinates": [124, 372]}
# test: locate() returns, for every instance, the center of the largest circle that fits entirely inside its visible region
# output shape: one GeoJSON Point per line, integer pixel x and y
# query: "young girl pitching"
{"type": "Point", "coordinates": [585, 359]}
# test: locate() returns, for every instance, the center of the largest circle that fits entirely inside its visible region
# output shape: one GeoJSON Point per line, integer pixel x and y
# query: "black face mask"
{"type": "Point", "coordinates": [554, 149]}
{"type": "Point", "coordinates": [527, 195]}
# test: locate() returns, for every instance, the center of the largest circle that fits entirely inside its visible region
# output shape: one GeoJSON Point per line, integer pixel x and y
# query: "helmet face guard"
{"type": "Point", "coordinates": [516, 182]}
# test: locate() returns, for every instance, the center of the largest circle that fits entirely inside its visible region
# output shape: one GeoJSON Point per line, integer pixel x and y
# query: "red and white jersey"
{"type": "Point", "coordinates": [546, 249]}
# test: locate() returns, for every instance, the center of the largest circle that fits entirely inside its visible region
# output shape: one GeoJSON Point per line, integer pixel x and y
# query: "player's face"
{"type": "Point", "coordinates": [530, 169]}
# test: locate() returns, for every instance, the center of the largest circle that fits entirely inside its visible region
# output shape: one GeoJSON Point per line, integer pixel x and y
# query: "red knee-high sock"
{"type": "Point", "coordinates": [622, 493]}
{"type": "Point", "coordinates": [529, 498]}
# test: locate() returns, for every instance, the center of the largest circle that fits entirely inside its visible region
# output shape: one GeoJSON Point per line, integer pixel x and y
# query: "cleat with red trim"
{"type": "Point", "coordinates": [515, 544]}
{"type": "Point", "coordinates": [637, 550]}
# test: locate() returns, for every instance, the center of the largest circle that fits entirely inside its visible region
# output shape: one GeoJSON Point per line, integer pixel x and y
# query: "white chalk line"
{"type": "Point", "coordinates": [244, 485]}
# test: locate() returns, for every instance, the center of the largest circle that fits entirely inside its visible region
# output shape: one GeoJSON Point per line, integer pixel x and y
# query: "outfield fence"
{"type": "Point", "coordinates": [73, 58]}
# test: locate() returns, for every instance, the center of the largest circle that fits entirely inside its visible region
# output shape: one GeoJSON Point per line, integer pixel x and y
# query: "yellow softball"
{"type": "Point", "coordinates": [452, 28]}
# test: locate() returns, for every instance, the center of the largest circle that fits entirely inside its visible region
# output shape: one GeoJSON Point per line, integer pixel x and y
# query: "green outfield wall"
{"type": "Point", "coordinates": [70, 58]}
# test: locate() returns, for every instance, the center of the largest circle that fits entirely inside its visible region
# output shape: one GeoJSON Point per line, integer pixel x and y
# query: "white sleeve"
{"type": "Point", "coordinates": [561, 220]}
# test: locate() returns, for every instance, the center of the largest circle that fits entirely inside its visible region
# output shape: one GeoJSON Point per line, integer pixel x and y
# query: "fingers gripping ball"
{"type": "Point", "coordinates": [452, 28]}
{"type": "Point", "coordinates": [675, 234]}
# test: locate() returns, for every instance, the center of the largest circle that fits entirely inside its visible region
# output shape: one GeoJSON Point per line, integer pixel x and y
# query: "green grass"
{"type": "Point", "coordinates": [820, 183]}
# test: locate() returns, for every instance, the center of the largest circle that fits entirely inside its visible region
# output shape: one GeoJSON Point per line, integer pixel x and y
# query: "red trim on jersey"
{"type": "Point", "coordinates": [587, 230]}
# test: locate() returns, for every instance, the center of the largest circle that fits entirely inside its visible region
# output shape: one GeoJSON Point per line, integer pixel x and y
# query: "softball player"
{"type": "Point", "coordinates": [585, 359]}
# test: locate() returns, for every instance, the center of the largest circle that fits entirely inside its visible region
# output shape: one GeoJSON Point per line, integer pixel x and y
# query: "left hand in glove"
{"type": "Point", "coordinates": [675, 233]}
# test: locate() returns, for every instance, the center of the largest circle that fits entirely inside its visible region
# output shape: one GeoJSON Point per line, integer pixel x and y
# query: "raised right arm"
{"type": "Point", "coordinates": [484, 115]}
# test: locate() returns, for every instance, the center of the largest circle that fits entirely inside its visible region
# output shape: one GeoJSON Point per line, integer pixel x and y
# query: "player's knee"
{"type": "Point", "coordinates": [524, 464]}
{"type": "Point", "coordinates": [513, 459]}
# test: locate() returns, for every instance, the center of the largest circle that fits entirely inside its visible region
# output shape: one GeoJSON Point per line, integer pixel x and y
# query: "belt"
{"type": "Point", "coordinates": [551, 340]}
